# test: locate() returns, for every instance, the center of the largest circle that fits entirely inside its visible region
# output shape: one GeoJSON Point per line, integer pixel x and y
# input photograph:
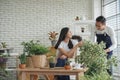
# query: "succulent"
{"type": "Point", "coordinates": [52, 35]}
{"type": "Point", "coordinates": [4, 45]}
{"type": "Point", "coordinates": [67, 62]}
{"type": "Point", "coordinates": [51, 59]}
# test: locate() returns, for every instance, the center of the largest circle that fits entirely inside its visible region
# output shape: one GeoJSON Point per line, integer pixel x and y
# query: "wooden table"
{"type": "Point", "coordinates": [55, 71]}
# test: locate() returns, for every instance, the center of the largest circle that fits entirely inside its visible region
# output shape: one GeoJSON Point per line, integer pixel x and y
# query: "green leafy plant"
{"type": "Point", "coordinates": [27, 47]}
{"type": "Point", "coordinates": [22, 58]}
{"type": "Point", "coordinates": [34, 48]}
{"type": "Point", "coordinates": [94, 57]}
{"type": "Point", "coordinates": [38, 49]}
{"type": "Point", "coordinates": [101, 76]}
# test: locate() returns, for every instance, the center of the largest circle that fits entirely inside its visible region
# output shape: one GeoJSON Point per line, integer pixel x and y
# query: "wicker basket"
{"type": "Point", "coordinates": [39, 61]}
{"type": "Point", "coordinates": [29, 62]}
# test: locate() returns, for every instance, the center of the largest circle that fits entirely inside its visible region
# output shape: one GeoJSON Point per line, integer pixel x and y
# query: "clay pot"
{"type": "Point", "coordinates": [22, 66]}
{"type": "Point", "coordinates": [67, 67]}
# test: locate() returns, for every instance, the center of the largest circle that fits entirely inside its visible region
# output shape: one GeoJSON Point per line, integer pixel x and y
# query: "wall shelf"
{"type": "Point", "coordinates": [84, 22]}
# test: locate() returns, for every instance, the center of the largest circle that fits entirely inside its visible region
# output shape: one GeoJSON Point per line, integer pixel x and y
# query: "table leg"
{"type": "Point", "coordinates": [79, 75]}
{"type": "Point", "coordinates": [23, 76]}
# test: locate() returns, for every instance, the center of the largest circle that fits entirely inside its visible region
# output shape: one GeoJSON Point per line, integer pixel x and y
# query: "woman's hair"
{"type": "Point", "coordinates": [62, 37]}
{"type": "Point", "coordinates": [76, 37]}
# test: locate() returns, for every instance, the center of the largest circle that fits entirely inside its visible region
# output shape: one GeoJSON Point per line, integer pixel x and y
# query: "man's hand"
{"type": "Point", "coordinates": [107, 50]}
{"type": "Point", "coordinates": [80, 43]}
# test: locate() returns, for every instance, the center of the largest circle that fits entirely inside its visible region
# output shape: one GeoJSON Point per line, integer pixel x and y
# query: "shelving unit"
{"type": "Point", "coordinates": [6, 50]}
{"type": "Point", "coordinates": [88, 26]}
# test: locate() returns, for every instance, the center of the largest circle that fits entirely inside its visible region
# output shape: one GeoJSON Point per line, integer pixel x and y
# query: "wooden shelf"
{"type": "Point", "coordinates": [6, 49]}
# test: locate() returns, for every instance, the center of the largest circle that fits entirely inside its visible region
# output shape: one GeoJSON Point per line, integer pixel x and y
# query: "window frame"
{"type": "Point", "coordinates": [117, 31]}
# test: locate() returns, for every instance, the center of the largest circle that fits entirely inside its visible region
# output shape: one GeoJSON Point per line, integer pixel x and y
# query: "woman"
{"type": "Point", "coordinates": [66, 48]}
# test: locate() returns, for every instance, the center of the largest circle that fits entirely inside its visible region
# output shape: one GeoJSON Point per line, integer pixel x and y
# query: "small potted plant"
{"type": "Point", "coordinates": [4, 45]}
{"type": "Point", "coordinates": [52, 37]}
{"type": "Point", "coordinates": [3, 60]}
{"type": "Point", "coordinates": [67, 65]}
{"type": "Point", "coordinates": [39, 55]}
{"type": "Point", "coordinates": [22, 59]}
{"type": "Point", "coordinates": [51, 62]}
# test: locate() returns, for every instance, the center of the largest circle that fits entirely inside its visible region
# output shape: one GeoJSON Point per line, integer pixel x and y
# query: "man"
{"type": "Point", "coordinates": [107, 35]}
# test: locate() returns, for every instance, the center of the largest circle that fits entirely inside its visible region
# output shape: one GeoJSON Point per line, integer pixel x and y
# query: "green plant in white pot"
{"type": "Point", "coordinates": [94, 57]}
{"type": "Point", "coordinates": [39, 55]}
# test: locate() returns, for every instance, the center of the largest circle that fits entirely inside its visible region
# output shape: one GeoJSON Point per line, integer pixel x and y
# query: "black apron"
{"type": "Point", "coordinates": [108, 43]}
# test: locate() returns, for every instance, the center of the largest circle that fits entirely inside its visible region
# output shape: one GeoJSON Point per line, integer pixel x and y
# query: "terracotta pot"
{"type": "Point", "coordinates": [67, 67]}
{"type": "Point", "coordinates": [22, 66]}
{"type": "Point", "coordinates": [39, 61]}
{"type": "Point", "coordinates": [29, 62]}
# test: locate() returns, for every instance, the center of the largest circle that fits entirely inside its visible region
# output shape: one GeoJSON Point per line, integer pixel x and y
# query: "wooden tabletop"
{"type": "Point", "coordinates": [56, 69]}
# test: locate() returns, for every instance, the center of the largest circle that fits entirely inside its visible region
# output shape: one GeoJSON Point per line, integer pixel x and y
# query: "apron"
{"type": "Point", "coordinates": [107, 40]}
{"type": "Point", "coordinates": [61, 63]}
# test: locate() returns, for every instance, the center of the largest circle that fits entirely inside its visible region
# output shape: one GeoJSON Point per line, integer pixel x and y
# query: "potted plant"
{"type": "Point", "coordinates": [94, 57]}
{"type": "Point", "coordinates": [4, 45]}
{"type": "Point", "coordinates": [3, 60]}
{"type": "Point", "coordinates": [27, 49]}
{"type": "Point", "coordinates": [51, 62]}
{"type": "Point", "coordinates": [22, 59]}
{"type": "Point", "coordinates": [67, 65]}
{"type": "Point", "coordinates": [39, 55]}
{"type": "Point", "coordinates": [52, 37]}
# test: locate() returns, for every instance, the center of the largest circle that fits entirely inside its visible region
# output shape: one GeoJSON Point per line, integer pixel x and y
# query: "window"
{"type": "Point", "coordinates": [111, 10]}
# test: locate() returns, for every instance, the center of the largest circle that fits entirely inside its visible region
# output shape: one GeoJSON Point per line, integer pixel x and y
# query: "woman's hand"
{"type": "Point", "coordinates": [63, 57]}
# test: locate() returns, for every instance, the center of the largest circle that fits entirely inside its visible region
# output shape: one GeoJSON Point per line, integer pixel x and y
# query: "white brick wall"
{"type": "Point", "coordinates": [24, 20]}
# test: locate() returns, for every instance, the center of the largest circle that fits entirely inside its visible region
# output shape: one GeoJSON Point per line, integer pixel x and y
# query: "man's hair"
{"type": "Point", "coordinates": [101, 19]}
